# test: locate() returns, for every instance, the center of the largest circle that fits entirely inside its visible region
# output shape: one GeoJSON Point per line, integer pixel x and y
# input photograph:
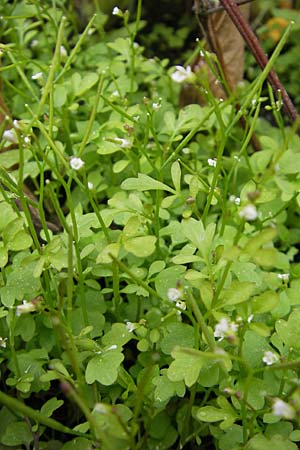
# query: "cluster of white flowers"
{"type": "Point", "coordinates": [63, 52]}
{"type": "Point", "coordinates": [235, 200]}
{"type": "Point", "coordinates": [156, 106]}
{"type": "Point", "coordinates": [117, 12]}
{"type": "Point", "coordinates": [181, 305]}
{"type": "Point", "coordinates": [282, 409]}
{"type": "Point", "coordinates": [10, 136]}
{"type": "Point", "coordinates": [283, 276]}
{"type": "Point", "coordinates": [212, 162]}
{"type": "Point", "coordinates": [37, 76]}
{"type": "Point", "coordinates": [225, 329]}
{"type": "Point", "coordinates": [124, 143]}
{"type": "Point", "coordinates": [130, 327]}
{"type": "Point", "coordinates": [249, 213]}
{"type": "Point", "coordinates": [173, 294]}
{"type": "Point", "coordinates": [270, 358]}
{"type": "Point", "coordinates": [182, 74]}
{"type": "Point", "coordinates": [25, 308]}
{"type": "Point", "coordinates": [76, 163]}
{"type": "Point", "coordinates": [3, 342]}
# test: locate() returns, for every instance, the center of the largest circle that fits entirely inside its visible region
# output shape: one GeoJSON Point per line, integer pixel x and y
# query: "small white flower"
{"type": "Point", "coordinates": [282, 409]}
{"type": "Point", "coordinates": [63, 52]}
{"type": "Point", "coordinates": [27, 140]}
{"type": "Point", "coordinates": [173, 294]}
{"type": "Point", "coordinates": [186, 150]}
{"type": "Point", "coordinates": [283, 276]}
{"type": "Point", "coordinates": [156, 106]}
{"type": "Point", "coordinates": [115, 94]}
{"type": "Point", "coordinates": [235, 200]}
{"type": "Point", "coordinates": [101, 408]}
{"type": "Point", "coordinates": [212, 162]}
{"type": "Point", "coordinates": [182, 74]}
{"type": "Point", "coordinates": [34, 43]}
{"type": "Point", "coordinates": [90, 185]}
{"type": "Point", "coordinates": [249, 213]}
{"type": "Point", "coordinates": [225, 328]}
{"type": "Point", "coordinates": [130, 327]}
{"type": "Point", "coordinates": [10, 136]}
{"type": "Point", "coordinates": [3, 342]}
{"type": "Point", "coordinates": [250, 318]}
{"type": "Point", "coordinates": [37, 76]}
{"type": "Point", "coordinates": [17, 124]}
{"type": "Point", "coordinates": [112, 347]}
{"type": "Point", "coordinates": [124, 143]}
{"type": "Point", "coordinates": [181, 305]}
{"type": "Point", "coordinates": [91, 31]}
{"type": "Point", "coordinates": [117, 12]}
{"type": "Point", "coordinates": [270, 358]}
{"type": "Point", "coordinates": [26, 307]}
{"type": "Point", "coordinates": [76, 163]}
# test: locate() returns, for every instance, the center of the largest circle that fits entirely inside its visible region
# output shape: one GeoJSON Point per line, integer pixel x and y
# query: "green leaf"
{"type": "Point", "coordinates": [3, 255]}
{"type": "Point", "coordinates": [289, 162]}
{"type": "Point", "coordinates": [210, 414]}
{"type": "Point", "coordinates": [25, 327]}
{"type": "Point", "coordinates": [17, 433]}
{"type": "Point", "coordinates": [167, 279]}
{"type": "Point", "coordinates": [78, 443]}
{"type": "Point", "coordinates": [289, 331]}
{"type": "Point", "coordinates": [156, 266]}
{"type": "Point", "coordinates": [185, 367]}
{"type": "Point", "coordinates": [85, 83]}
{"type": "Point", "coordinates": [194, 231]}
{"type": "Point", "coordinates": [50, 406]}
{"type": "Point", "coordinates": [238, 292]}
{"type": "Point", "coordinates": [189, 117]}
{"type": "Point", "coordinates": [104, 256]}
{"type": "Point", "coordinates": [260, 160]}
{"type": "Point", "coordinates": [166, 389]}
{"type": "Point", "coordinates": [178, 333]}
{"type": "Point", "coordinates": [118, 335]}
{"type": "Point", "coordinates": [176, 175]}
{"type": "Point", "coordinates": [254, 347]}
{"type": "Point", "coordinates": [132, 226]}
{"type": "Point", "coordinates": [104, 367]}
{"type": "Point", "coordinates": [141, 246]}
{"type": "Point", "coordinates": [145, 183]}
{"type": "Point", "coordinates": [120, 165]}
{"type": "Point", "coordinates": [263, 237]}
{"type": "Point", "coordinates": [202, 238]}
{"type": "Point", "coordinates": [277, 442]}
{"type": "Point", "coordinates": [7, 215]}
{"type": "Point", "coordinates": [20, 241]}
{"type": "Point", "coordinates": [264, 302]}
{"type": "Point", "coordinates": [59, 96]}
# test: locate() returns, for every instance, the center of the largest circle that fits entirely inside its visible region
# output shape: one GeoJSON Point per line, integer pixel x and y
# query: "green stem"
{"type": "Point", "coordinates": [75, 49]}
{"type": "Point", "coordinates": [16, 405]}
{"type": "Point", "coordinates": [92, 117]}
{"type": "Point", "coordinates": [200, 319]}
{"type": "Point", "coordinates": [137, 280]}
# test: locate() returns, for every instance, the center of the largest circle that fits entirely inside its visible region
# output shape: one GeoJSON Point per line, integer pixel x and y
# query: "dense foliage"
{"type": "Point", "coordinates": [149, 257]}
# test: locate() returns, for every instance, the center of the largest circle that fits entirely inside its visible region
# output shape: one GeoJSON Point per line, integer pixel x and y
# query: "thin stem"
{"type": "Point", "coordinates": [16, 405]}
{"type": "Point", "coordinates": [253, 43]}
{"type": "Point", "coordinates": [200, 319]}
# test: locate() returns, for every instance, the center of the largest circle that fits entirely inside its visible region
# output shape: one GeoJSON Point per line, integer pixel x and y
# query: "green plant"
{"type": "Point", "coordinates": [163, 311]}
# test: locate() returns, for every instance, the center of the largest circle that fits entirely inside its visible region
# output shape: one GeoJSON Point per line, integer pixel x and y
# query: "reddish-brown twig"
{"type": "Point", "coordinates": [253, 43]}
